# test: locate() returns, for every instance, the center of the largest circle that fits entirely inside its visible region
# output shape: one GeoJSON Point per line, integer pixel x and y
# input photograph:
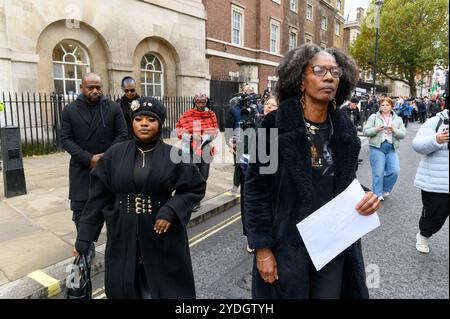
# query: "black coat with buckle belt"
{"type": "Point", "coordinates": [85, 133]}
{"type": "Point", "coordinates": [174, 187]}
{"type": "Point", "coordinates": [275, 203]}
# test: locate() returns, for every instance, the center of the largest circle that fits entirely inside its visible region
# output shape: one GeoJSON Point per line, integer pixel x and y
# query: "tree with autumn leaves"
{"type": "Point", "coordinates": [413, 39]}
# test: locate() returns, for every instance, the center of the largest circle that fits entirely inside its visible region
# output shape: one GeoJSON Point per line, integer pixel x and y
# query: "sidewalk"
{"type": "Point", "coordinates": [36, 229]}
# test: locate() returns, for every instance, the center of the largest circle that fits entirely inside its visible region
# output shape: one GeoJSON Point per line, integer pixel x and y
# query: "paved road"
{"type": "Point", "coordinates": [222, 267]}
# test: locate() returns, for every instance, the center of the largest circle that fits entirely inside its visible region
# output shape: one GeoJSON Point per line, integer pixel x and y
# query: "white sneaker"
{"type": "Point", "coordinates": [422, 244]}
{"type": "Point", "coordinates": [249, 250]}
{"type": "Point", "coordinates": [380, 198]}
{"type": "Point", "coordinates": [386, 194]}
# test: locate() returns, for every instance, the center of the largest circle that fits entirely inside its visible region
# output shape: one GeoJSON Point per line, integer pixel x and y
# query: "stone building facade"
{"type": "Point", "coordinates": [47, 46]}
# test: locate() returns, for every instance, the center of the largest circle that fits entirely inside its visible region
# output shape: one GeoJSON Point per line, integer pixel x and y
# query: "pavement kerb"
{"type": "Point", "coordinates": [28, 288]}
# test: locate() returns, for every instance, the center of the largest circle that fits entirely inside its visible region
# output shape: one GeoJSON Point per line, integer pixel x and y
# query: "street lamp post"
{"type": "Point", "coordinates": [378, 4]}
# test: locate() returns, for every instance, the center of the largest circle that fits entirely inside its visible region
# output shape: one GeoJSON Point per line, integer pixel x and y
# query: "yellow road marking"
{"type": "Point", "coordinates": [45, 280]}
{"type": "Point", "coordinates": [215, 231]}
{"type": "Point", "coordinates": [233, 194]}
{"type": "Point", "coordinates": [213, 227]}
{"type": "Point", "coordinates": [207, 233]}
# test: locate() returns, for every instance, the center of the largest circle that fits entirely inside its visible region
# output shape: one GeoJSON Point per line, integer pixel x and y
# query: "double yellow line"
{"type": "Point", "coordinates": [211, 231]}
{"type": "Point", "coordinates": [100, 293]}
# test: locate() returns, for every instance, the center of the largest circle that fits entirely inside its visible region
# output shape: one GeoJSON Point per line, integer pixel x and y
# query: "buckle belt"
{"type": "Point", "coordinates": [137, 204]}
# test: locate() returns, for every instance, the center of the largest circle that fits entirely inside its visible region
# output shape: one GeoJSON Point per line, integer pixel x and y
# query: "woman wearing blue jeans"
{"type": "Point", "coordinates": [385, 130]}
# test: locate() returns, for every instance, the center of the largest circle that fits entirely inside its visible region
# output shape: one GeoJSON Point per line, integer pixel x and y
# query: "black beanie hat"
{"type": "Point", "coordinates": [148, 106]}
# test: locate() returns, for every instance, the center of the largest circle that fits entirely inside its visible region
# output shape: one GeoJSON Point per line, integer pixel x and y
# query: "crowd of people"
{"type": "Point", "coordinates": [410, 109]}
{"type": "Point", "coordinates": [122, 174]}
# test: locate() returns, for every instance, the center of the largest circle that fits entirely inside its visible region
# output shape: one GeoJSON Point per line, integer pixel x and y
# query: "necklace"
{"type": "Point", "coordinates": [311, 128]}
{"type": "Point", "coordinates": [143, 154]}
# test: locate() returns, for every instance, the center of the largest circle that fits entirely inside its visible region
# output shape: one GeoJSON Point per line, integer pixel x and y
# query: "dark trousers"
{"type": "Point", "coordinates": [203, 167]}
{"type": "Point", "coordinates": [405, 120]}
{"type": "Point", "coordinates": [327, 282]}
{"type": "Point", "coordinates": [77, 208]}
{"type": "Point", "coordinates": [244, 229]}
{"type": "Point", "coordinates": [434, 213]}
{"type": "Point", "coordinates": [423, 117]}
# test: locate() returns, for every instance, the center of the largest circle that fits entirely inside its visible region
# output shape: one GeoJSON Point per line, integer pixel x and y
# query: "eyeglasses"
{"type": "Point", "coordinates": [129, 90]}
{"type": "Point", "coordinates": [321, 70]}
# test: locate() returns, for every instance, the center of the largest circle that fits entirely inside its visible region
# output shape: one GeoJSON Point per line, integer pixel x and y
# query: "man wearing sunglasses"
{"type": "Point", "coordinates": [130, 94]}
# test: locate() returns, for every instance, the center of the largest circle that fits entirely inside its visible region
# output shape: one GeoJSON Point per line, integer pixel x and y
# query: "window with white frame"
{"type": "Point", "coordinates": [292, 39]}
{"type": "Point", "coordinates": [274, 36]}
{"type": "Point", "coordinates": [338, 5]}
{"type": "Point", "coordinates": [70, 64]}
{"type": "Point", "coordinates": [309, 12]}
{"type": "Point", "coordinates": [237, 25]}
{"type": "Point", "coordinates": [324, 23]}
{"type": "Point", "coordinates": [337, 29]}
{"type": "Point", "coordinates": [308, 38]}
{"type": "Point", "coordinates": [293, 5]}
{"type": "Point", "coordinates": [152, 76]}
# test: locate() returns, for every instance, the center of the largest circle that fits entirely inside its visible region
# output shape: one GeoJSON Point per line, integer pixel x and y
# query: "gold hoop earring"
{"type": "Point", "coordinates": [334, 104]}
{"type": "Point", "coordinates": [302, 100]}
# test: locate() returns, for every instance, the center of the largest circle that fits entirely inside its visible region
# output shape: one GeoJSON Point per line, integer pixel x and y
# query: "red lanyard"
{"type": "Point", "coordinates": [386, 122]}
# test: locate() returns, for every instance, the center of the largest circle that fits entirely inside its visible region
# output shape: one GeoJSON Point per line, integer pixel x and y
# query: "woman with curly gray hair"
{"type": "Point", "coordinates": [318, 151]}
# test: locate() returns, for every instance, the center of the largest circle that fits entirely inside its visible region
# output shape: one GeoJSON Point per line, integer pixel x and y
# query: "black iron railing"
{"type": "Point", "coordinates": [38, 116]}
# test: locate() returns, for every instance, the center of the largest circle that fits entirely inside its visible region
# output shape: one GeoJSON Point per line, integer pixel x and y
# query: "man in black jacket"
{"type": "Point", "coordinates": [130, 94]}
{"type": "Point", "coordinates": [89, 126]}
{"type": "Point", "coordinates": [352, 111]}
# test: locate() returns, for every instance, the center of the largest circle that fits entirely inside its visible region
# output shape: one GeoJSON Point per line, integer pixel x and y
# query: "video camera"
{"type": "Point", "coordinates": [248, 103]}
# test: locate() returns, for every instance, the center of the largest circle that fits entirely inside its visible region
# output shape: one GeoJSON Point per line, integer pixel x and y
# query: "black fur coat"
{"type": "Point", "coordinates": [275, 203]}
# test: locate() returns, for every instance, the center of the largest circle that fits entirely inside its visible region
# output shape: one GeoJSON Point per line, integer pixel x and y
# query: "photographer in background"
{"type": "Point", "coordinates": [352, 111]}
{"type": "Point", "coordinates": [245, 108]}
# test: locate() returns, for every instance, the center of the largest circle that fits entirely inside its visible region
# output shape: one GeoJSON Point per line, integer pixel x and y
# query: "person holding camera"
{"type": "Point", "coordinates": [385, 129]}
{"type": "Point", "coordinates": [245, 108]}
{"type": "Point", "coordinates": [432, 176]}
{"type": "Point", "coordinates": [352, 111]}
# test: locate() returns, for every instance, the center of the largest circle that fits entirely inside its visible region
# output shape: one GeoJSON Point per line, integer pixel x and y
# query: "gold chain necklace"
{"type": "Point", "coordinates": [143, 154]}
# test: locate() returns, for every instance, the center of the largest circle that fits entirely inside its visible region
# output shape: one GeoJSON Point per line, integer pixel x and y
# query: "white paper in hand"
{"type": "Point", "coordinates": [335, 226]}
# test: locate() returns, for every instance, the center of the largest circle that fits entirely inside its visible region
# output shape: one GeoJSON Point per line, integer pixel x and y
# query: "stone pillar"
{"type": "Point", "coordinates": [248, 73]}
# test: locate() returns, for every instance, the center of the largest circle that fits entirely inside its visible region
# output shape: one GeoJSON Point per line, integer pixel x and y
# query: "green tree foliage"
{"type": "Point", "coordinates": [413, 38]}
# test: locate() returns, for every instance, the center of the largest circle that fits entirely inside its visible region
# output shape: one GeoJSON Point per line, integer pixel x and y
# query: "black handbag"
{"type": "Point", "coordinates": [78, 283]}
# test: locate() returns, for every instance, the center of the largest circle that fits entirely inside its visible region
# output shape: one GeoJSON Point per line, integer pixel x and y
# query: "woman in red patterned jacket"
{"type": "Point", "coordinates": [196, 129]}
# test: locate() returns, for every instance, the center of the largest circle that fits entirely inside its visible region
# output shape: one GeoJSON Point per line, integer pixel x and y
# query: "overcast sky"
{"type": "Point", "coordinates": [350, 8]}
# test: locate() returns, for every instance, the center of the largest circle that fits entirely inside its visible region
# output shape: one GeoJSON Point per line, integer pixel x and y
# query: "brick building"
{"type": "Point", "coordinates": [246, 39]}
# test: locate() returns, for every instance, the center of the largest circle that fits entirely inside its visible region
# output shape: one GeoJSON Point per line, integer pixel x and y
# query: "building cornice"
{"type": "Point", "coordinates": [328, 5]}
{"type": "Point", "coordinates": [186, 7]}
{"type": "Point", "coordinates": [243, 48]}
{"type": "Point", "coordinates": [226, 55]}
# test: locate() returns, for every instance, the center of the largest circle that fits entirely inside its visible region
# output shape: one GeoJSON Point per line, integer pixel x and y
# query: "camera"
{"type": "Point", "coordinates": [248, 104]}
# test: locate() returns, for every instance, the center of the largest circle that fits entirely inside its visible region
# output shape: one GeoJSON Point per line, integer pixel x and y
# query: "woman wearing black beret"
{"type": "Point", "coordinates": [146, 200]}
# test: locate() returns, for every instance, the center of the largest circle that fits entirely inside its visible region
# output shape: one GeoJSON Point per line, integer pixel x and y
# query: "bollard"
{"type": "Point", "coordinates": [13, 172]}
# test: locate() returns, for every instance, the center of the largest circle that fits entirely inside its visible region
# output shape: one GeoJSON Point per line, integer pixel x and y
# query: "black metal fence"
{"type": "Point", "coordinates": [38, 116]}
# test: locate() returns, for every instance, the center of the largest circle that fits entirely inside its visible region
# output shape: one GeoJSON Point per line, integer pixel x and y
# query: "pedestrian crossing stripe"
{"type": "Point", "coordinates": [52, 284]}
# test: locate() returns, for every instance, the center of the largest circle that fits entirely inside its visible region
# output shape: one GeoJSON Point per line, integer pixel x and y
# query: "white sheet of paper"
{"type": "Point", "coordinates": [335, 226]}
